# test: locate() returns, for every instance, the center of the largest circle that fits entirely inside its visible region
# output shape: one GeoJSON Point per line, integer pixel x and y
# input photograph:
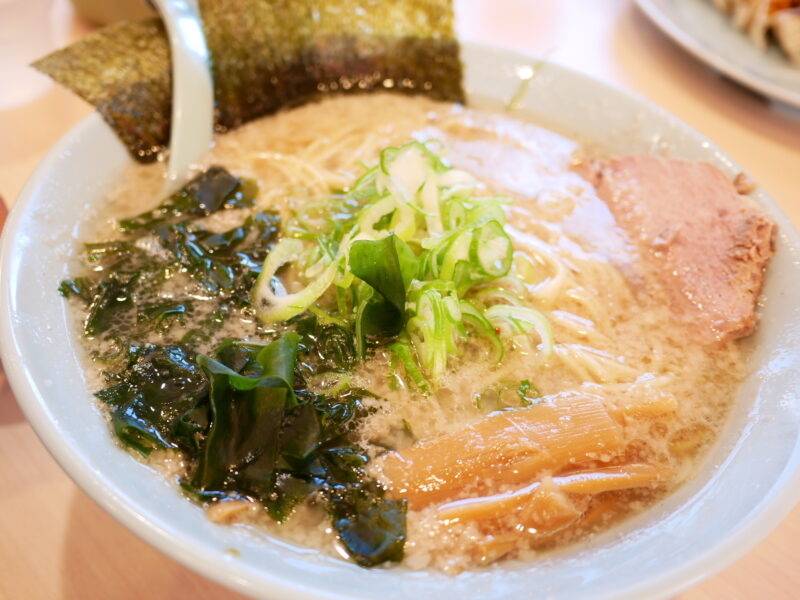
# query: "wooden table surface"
{"type": "Point", "coordinates": [56, 543]}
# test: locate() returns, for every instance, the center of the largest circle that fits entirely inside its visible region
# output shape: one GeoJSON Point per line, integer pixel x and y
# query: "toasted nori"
{"type": "Point", "coordinates": [267, 55]}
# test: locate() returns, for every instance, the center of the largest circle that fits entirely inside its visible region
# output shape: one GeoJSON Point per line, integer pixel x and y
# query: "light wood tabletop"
{"type": "Point", "coordinates": [56, 543]}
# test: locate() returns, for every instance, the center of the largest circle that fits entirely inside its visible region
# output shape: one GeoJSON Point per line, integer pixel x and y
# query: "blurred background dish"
{"type": "Point", "coordinates": [710, 36]}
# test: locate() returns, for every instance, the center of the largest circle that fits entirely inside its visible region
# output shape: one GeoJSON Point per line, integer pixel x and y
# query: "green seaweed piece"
{"type": "Point", "coordinates": [267, 55]}
{"type": "Point", "coordinates": [80, 287]}
{"type": "Point", "coordinates": [157, 402]}
{"type": "Point", "coordinates": [113, 297]}
{"type": "Point", "coordinates": [209, 191]}
{"type": "Point", "coordinates": [371, 528]}
{"type": "Point", "coordinates": [126, 290]}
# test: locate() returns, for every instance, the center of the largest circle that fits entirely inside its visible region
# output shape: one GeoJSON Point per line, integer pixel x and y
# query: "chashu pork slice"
{"type": "Point", "coordinates": [705, 244]}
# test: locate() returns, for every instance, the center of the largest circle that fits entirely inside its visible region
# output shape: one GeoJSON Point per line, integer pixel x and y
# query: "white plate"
{"type": "Point", "coordinates": [712, 37]}
{"type": "Point", "coordinates": [747, 486]}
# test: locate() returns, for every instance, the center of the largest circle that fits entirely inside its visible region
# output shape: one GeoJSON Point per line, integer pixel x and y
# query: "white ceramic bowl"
{"type": "Point", "coordinates": [749, 482]}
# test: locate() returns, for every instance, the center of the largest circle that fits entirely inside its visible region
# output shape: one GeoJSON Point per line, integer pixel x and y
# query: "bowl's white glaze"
{"type": "Point", "coordinates": [749, 482]}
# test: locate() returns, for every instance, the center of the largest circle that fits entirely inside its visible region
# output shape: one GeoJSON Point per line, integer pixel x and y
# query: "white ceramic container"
{"type": "Point", "coordinates": [746, 486]}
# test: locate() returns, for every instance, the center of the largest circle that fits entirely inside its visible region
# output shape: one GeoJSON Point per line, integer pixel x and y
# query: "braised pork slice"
{"type": "Point", "coordinates": [706, 244]}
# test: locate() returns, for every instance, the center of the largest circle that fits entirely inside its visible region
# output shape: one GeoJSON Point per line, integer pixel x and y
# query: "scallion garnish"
{"type": "Point", "coordinates": [414, 256]}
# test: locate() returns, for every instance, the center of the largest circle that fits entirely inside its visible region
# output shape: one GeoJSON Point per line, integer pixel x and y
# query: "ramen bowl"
{"type": "Point", "coordinates": [747, 483]}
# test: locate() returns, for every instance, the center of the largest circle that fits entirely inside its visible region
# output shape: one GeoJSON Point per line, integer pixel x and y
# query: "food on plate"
{"type": "Point", "coordinates": [762, 19]}
{"type": "Point", "coordinates": [786, 28]}
{"type": "Point", "coordinates": [398, 329]}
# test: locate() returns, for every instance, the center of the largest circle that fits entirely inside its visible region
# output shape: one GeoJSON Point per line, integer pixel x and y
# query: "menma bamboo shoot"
{"type": "Point", "coordinates": [508, 447]}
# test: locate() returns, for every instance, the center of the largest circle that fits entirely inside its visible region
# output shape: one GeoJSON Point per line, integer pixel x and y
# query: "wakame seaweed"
{"type": "Point", "coordinates": [208, 192]}
{"type": "Point", "coordinates": [251, 429]}
{"type": "Point", "coordinates": [328, 346]}
{"type": "Point", "coordinates": [159, 401]}
{"type": "Point", "coordinates": [124, 292]}
{"type": "Point", "coordinates": [241, 413]}
{"type": "Point", "coordinates": [387, 267]}
{"type": "Point", "coordinates": [275, 441]}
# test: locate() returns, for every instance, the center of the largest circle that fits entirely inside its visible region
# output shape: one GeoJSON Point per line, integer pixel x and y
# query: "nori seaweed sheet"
{"type": "Point", "coordinates": [267, 55]}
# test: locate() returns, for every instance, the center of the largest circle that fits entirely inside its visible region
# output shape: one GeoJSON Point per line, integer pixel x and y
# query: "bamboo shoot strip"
{"type": "Point", "coordinates": [504, 448]}
{"type": "Point", "coordinates": [497, 541]}
{"type": "Point", "coordinates": [547, 513]}
{"type": "Point", "coordinates": [604, 479]}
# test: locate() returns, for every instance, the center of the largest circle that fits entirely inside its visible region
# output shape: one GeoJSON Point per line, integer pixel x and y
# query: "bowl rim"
{"type": "Point", "coordinates": [760, 521]}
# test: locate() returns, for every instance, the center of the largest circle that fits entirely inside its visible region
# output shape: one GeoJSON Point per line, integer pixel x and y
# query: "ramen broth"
{"type": "Point", "coordinates": [615, 337]}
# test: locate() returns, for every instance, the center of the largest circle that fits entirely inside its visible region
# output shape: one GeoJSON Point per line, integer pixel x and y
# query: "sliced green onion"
{"type": "Point", "coordinates": [458, 250]}
{"type": "Point", "coordinates": [325, 318]}
{"type": "Point", "coordinates": [370, 215]}
{"type": "Point", "coordinates": [525, 319]}
{"type": "Point", "coordinates": [427, 335]}
{"type": "Point", "coordinates": [404, 223]}
{"type": "Point", "coordinates": [491, 250]}
{"type": "Point", "coordinates": [342, 305]}
{"type": "Point", "coordinates": [460, 247]}
{"type": "Point", "coordinates": [525, 268]}
{"type": "Point", "coordinates": [344, 277]}
{"type": "Point", "coordinates": [402, 350]}
{"type": "Point", "coordinates": [454, 213]}
{"type": "Point", "coordinates": [365, 293]}
{"type": "Point", "coordinates": [462, 277]}
{"type": "Point", "coordinates": [489, 210]}
{"type": "Point", "coordinates": [364, 185]}
{"type": "Point", "coordinates": [407, 172]}
{"type": "Point", "coordinates": [492, 295]}
{"type": "Point", "coordinates": [272, 308]}
{"type": "Point", "coordinates": [476, 319]}
{"type": "Point", "coordinates": [429, 196]}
